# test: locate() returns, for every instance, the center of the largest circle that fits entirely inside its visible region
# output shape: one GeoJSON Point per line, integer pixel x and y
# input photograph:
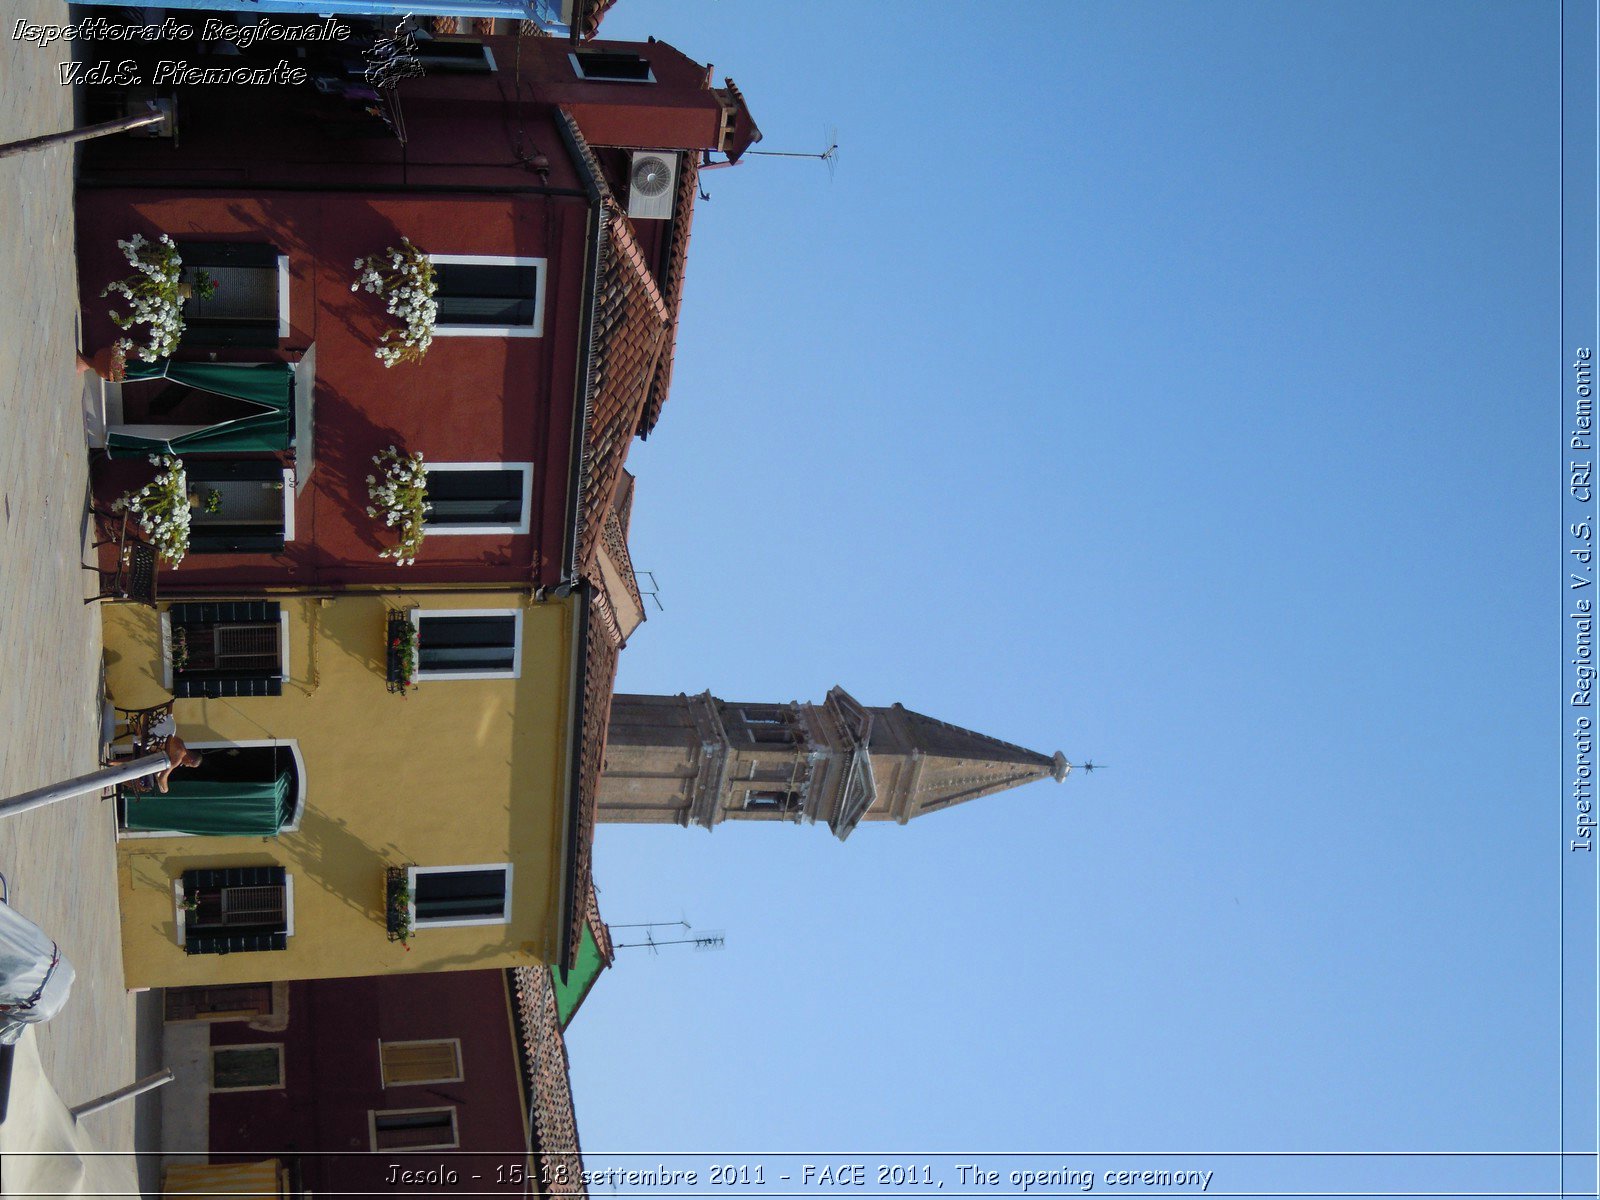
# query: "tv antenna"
{"type": "Point", "coordinates": [830, 156]}
{"type": "Point", "coordinates": [710, 940]}
{"type": "Point", "coordinates": [654, 592]}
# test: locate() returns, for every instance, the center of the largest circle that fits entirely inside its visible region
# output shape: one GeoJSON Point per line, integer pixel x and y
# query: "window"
{"type": "Point", "coordinates": [474, 895]}
{"type": "Point", "coordinates": [251, 303]}
{"type": "Point", "coordinates": [413, 1129]}
{"type": "Point", "coordinates": [783, 801]}
{"type": "Point", "coordinates": [246, 1068]}
{"type": "Point", "coordinates": [468, 643]}
{"type": "Point", "coordinates": [408, 1063]}
{"type": "Point", "coordinates": [488, 296]}
{"type": "Point", "coordinates": [233, 909]}
{"type": "Point", "coordinates": [232, 648]}
{"type": "Point", "coordinates": [611, 67]}
{"type": "Point", "coordinates": [221, 1002]}
{"type": "Point", "coordinates": [479, 497]}
{"type": "Point", "coordinates": [452, 55]}
{"type": "Point", "coordinates": [246, 506]}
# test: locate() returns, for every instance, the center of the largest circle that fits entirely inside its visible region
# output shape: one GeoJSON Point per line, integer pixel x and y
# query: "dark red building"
{"type": "Point", "coordinates": [529, 172]}
{"type": "Point", "coordinates": [346, 1082]}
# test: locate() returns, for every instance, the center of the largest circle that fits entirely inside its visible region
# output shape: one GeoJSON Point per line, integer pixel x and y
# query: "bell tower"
{"type": "Point", "coordinates": [698, 760]}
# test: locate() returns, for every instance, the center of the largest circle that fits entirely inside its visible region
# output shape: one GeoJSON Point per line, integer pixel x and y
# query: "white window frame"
{"type": "Point", "coordinates": [291, 826]}
{"type": "Point", "coordinates": [455, 1128]}
{"type": "Point", "coordinates": [211, 1081]}
{"type": "Point", "coordinates": [284, 327]}
{"type": "Point", "coordinates": [577, 69]}
{"type": "Point", "coordinates": [458, 1077]}
{"type": "Point", "coordinates": [411, 907]}
{"type": "Point", "coordinates": [516, 643]}
{"type": "Point", "coordinates": [533, 329]}
{"type": "Point", "coordinates": [521, 526]}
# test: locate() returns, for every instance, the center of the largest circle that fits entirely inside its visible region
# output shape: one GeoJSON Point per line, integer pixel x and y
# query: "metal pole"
{"type": "Point", "coordinates": [147, 1084]}
{"type": "Point", "coordinates": [7, 149]}
{"type": "Point", "coordinates": [135, 769]}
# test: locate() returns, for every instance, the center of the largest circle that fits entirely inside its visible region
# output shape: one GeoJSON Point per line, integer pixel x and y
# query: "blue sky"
{"type": "Point", "coordinates": [1171, 385]}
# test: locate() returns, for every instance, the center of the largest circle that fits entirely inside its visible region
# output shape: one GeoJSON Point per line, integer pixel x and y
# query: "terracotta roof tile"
{"type": "Point", "coordinates": [602, 935]}
{"type": "Point", "coordinates": [602, 644]}
{"type": "Point", "coordinates": [586, 22]}
{"type": "Point", "coordinates": [547, 1080]}
{"type": "Point", "coordinates": [672, 286]}
{"type": "Point", "coordinates": [632, 325]}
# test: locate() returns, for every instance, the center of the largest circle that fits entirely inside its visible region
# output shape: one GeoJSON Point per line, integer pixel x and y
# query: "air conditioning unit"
{"type": "Point", "coordinates": [652, 184]}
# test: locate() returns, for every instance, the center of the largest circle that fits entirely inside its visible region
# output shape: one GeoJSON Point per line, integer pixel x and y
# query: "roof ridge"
{"type": "Point", "coordinates": [973, 733]}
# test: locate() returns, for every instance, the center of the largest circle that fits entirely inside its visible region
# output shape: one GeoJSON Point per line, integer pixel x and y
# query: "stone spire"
{"type": "Point", "coordinates": [698, 760]}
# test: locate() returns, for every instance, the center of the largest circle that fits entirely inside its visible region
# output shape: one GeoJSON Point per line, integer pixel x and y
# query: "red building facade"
{"type": "Point", "coordinates": [527, 167]}
{"type": "Point", "coordinates": [352, 1082]}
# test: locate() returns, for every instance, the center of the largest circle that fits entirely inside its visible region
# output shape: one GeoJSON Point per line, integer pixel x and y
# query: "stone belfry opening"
{"type": "Point", "coordinates": [700, 760]}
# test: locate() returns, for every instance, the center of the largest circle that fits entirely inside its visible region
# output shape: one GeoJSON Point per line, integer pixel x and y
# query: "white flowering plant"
{"type": "Point", "coordinates": [399, 493]}
{"type": "Point", "coordinates": [161, 508]}
{"type": "Point", "coordinates": [156, 292]}
{"type": "Point", "coordinates": [403, 278]}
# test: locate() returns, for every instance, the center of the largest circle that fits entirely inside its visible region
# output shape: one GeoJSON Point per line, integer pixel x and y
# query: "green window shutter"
{"type": "Point", "coordinates": [252, 666]}
{"type": "Point", "coordinates": [259, 919]}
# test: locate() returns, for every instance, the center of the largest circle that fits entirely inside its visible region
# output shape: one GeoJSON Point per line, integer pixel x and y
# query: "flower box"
{"type": "Point", "coordinates": [400, 645]}
{"type": "Point", "coordinates": [397, 903]}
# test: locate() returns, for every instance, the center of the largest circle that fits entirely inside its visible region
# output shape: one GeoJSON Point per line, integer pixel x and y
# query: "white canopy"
{"type": "Point", "coordinates": [43, 1151]}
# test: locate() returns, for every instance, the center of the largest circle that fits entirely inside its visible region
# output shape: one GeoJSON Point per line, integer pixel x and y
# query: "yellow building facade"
{"type": "Point", "coordinates": [449, 802]}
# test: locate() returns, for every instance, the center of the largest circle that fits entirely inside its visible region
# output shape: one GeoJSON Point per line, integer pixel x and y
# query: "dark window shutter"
{"type": "Point", "coordinates": [474, 497]}
{"type": "Point", "coordinates": [207, 331]}
{"type": "Point", "coordinates": [485, 293]}
{"type": "Point", "coordinates": [201, 470]}
{"type": "Point", "coordinates": [466, 643]}
{"type": "Point", "coordinates": [223, 612]}
{"type": "Point", "coordinates": [234, 539]}
{"type": "Point", "coordinates": [443, 895]}
{"type": "Point", "coordinates": [198, 883]}
{"type": "Point", "coordinates": [228, 254]}
{"type": "Point", "coordinates": [218, 683]}
{"type": "Point", "coordinates": [213, 687]}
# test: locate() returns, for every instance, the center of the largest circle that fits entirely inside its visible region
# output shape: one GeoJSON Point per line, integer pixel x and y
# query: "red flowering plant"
{"type": "Point", "coordinates": [402, 655]}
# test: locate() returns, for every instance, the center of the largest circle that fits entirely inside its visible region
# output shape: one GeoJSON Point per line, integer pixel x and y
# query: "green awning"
{"type": "Point", "coordinates": [580, 979]}
{"type": "Point", "coordinates": [267, 387]}
{"type": "Point", "coordinates": [220, 808]}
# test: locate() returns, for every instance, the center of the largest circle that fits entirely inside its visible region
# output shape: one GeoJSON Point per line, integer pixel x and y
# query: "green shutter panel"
{"type": "Point", "coordinates": [227, 254]}
{"type": "Point", "coordinates": [222, 939]}
{"type": "Point", "coordinates": [223, 682]}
